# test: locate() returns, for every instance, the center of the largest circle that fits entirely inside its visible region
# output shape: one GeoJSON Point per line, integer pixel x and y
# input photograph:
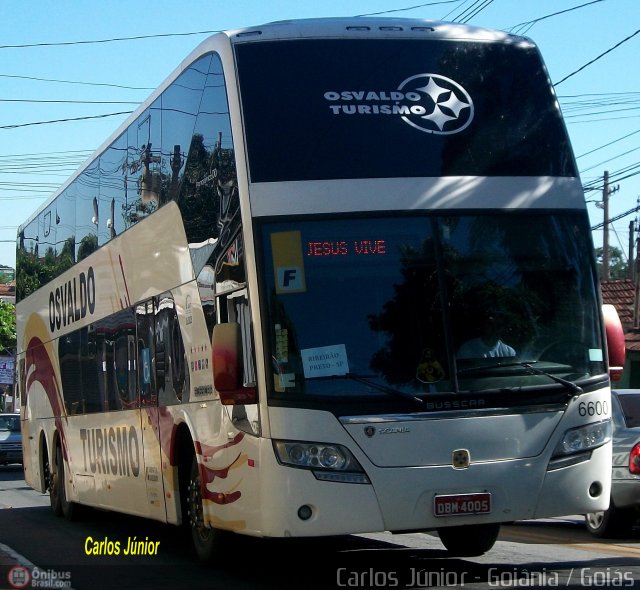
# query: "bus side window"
{"type": "Point", "coordinates": [93, 399]}
{"type": "Point", "coordinates": [70, 372]}
{"type": "Point", "coordinates": [146, 353]}
{"type": "Point", "coordinates": [232, 305]}
{"type": "Point", "coordinates": [170, 354]}
{"type": "Point", "coordinates": [122, 335]}
{"type": "Point", "coordinates": [242, 314]}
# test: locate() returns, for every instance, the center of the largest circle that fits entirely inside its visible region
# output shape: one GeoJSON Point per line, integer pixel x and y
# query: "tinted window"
{"type": "Point", "coordinates": [65, 219]}
{"type": "Point", "coordinates": [429, 303]}
{"type": "Point", "coordinates": [631, 409]}
{"type": "Point", "coordinates": [323, 109]}
{"type": "Point", "coordinates": [170, 354]}
{"type": "Point", "coordinates": [180, 148]}
{"type": "Point", "coordinates": [113, 190]}
{"type": "Point", "coordinates": [10, 423]}
{"type": "Point", "coordinates": [209, 193]}
{"type": "Point", "coordinates": [85, 191]}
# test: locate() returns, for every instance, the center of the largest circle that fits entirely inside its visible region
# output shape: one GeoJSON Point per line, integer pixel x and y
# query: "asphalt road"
{"type": "Point", "coordinates": [532, 554]}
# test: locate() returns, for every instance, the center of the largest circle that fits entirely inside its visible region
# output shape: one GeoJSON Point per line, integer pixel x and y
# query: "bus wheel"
{"type": "Point", "coordinates": [52, 480]}
{"type": "Point", "coordinates": [207, 541]}
{"type": "Point", "coordinates": [67, 508]}
{"type": "Point", "coordinates": [471, 540]}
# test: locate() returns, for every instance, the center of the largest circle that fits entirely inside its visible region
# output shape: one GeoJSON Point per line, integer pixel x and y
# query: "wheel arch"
{"type": "Point", "coordinates": [44, 461]}
{"type": "Point", "coordinates": [183, 453]}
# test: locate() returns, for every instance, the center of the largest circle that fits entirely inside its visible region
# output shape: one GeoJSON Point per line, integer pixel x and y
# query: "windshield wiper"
{"type": "Point", "coordinates": [366, 380]}
{"type": "Point", "coordinates": [570, 385]}
{"type": "Point", "coordinates": [573, 387]}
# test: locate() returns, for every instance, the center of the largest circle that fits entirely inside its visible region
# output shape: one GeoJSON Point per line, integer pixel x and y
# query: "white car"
{"type": "Point", "coordinates": [625, 477]}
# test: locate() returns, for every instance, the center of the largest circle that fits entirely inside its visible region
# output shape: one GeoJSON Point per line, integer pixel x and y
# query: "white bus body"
{"type": "Point", "coordinates": [246, 312]}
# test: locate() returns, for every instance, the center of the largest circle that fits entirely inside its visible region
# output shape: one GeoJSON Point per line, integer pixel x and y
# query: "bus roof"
{"type": "Point", "coordinates": [385, 27]}
{"type": "Point", "coordinates": [330, 27]}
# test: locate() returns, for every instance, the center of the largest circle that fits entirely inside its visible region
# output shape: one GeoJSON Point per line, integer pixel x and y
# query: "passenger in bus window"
{"type": "Point", "coordinates": [488, 344]}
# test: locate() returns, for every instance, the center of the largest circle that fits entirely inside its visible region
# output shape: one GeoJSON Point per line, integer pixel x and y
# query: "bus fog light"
{"type": "Point", "coordinates": [305, 512]}
{"type": "Point", "coordinates": [595, 489]}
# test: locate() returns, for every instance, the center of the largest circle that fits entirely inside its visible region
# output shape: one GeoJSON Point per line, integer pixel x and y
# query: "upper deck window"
{"type": "Point", "coordinates": [337, 109]}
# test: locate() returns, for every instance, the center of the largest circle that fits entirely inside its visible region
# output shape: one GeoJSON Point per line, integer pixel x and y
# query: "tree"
{"type": "Point", "coordinates": [618, 266]}
{"type": "Point", "coordinates": [7, 327]}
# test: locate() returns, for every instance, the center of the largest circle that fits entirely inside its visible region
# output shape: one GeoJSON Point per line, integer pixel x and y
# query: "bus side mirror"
{"type": "Point", "coordinates": [226, 353]}
{"type": "Point", "coordinates": [615, 341]}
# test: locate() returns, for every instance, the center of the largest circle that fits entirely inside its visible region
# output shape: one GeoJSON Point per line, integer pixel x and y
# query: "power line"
{"type": "Point", "coordinates": [528, 24]}
{"type": "Point", "coordinates": [598, 57]}
{"type": "Point", "coordinates": [110, 40]}
{"type": "Point", "coordinates": [407, 8]}
{"type": "Point", "coordinates": [52, 101]}
{"type": "Point", "coordinates": [15, 126]}
{"type": "Point", "coordinates": [478, 10]}
{"type": "Point", "coordinates": [446, 16]}
{"type": "Point", "coordinates": [617, 217]}
{"type": "Point", "coordinates": [599, 164]}
{"type": "Point", "coordinates": [76, 82]}
{"type": "Point", "coordinates": [469, 11]}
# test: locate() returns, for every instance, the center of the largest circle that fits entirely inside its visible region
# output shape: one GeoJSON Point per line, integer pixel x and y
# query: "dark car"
{"type": "Point", "coordinates": [625, 476]}
{"type": "Point", "coordinates": [10, 439]}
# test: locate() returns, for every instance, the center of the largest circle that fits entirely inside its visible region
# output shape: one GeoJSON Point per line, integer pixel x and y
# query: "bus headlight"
{"type": "Point", "coordinates": [576, 444]}
{"type": "Point", "coordinates": [328, 462]}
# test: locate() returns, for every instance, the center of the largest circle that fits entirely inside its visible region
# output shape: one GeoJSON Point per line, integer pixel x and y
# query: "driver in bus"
{"type": "Point", "coordinates": [488, 344]}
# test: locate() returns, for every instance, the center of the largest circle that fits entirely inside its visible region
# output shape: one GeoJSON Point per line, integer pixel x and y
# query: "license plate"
{"type": "Point", "coordinates": [455, 504]}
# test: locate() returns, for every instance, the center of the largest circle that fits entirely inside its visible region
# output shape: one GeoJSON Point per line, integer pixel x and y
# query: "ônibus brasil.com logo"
{"type": "Point", "coordinates": [428, 102]}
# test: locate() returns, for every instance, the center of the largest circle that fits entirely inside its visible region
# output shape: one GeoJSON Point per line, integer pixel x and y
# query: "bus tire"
{"type": "Point", "coordinates": [207, 541]}
{"type": "Point", "coordinates": [67, 508]}
{"type": "Point", "coordinates": [52, 479]}
{"type": "Point", "coordinates": [471, 540]}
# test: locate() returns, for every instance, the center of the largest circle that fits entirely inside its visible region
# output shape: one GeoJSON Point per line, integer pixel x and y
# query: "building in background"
{"type": "Point", "coordinates": [7, 273]}
{"type": "Point", "coordinates": [622, 295]}
{"type": "Point", "coordinates": [8, 292]}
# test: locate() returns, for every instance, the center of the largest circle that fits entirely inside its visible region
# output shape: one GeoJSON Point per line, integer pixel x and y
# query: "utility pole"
{"type": "Point", "coordinates": [605, 238]}
{"type": "Point", "coordinates": [606, 191]}
{"type": "Point", "coordinates": [636, 284]}
{"type": "Point", "coordinates": [632, 250]}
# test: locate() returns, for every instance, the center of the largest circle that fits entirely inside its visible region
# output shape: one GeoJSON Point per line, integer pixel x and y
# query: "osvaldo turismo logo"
{"type": "Point", "coordinates": [428, 102]}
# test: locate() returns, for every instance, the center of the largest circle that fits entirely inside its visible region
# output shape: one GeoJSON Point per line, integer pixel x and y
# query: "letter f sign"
{"type": "Point", "coordinates": [289, 279]}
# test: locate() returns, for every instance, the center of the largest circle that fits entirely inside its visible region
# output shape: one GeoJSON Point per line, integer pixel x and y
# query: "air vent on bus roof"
{"type": "Point", "coordinates": [249, 33]}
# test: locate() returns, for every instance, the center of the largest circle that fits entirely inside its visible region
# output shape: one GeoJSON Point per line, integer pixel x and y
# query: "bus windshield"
{"type": "Point", "coordinates": [339, 108]}
{"type": "Point", "coordinates": [430, 304]}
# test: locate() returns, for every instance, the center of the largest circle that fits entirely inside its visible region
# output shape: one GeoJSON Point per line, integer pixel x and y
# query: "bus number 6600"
{"type": "Point", "coordinates": [598, 408]}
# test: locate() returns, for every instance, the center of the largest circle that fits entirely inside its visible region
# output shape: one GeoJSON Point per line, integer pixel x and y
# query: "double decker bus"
{"type": "Point", "coordinates": [334, 276]}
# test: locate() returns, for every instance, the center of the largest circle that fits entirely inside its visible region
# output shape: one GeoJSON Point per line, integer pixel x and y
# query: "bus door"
{"type": "Point", "coordinates": [149, 411]}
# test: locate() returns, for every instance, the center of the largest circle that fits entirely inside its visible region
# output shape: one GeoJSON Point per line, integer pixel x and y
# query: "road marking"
{"type": "Point", "coordinates": [609, 549]}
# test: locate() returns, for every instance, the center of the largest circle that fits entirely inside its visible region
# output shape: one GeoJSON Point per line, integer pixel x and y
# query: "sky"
{"type": "Point", "coordinates": [77, 63]}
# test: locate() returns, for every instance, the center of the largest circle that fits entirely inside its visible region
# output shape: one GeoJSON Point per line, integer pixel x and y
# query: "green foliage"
{"type": "Point", "coordinates": [618, 265]}
{"type": "Point", "coordinates": [7, 326]}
